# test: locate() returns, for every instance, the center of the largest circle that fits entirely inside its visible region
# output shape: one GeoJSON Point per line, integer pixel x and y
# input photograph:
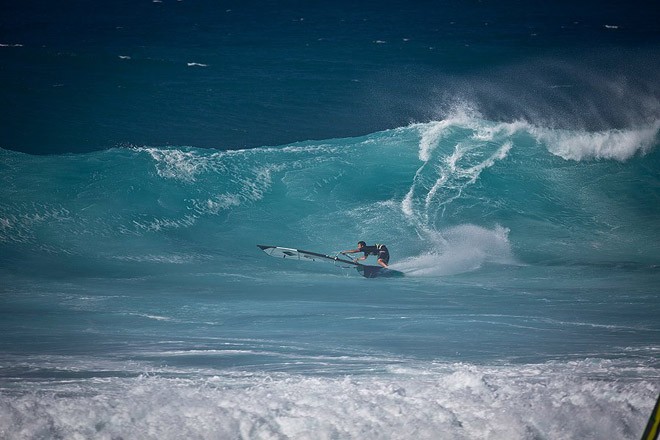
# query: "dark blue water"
{"type": "Point", "coordinates": [90, 76]}
{"type": "Point", "coordinates": [506, 153]}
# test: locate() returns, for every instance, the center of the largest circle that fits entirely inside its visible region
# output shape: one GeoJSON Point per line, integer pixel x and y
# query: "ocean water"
{"type": "Point", "coordinates": [506, 154]}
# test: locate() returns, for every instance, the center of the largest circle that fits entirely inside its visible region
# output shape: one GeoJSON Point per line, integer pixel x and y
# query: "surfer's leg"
{"type": "Point", "coordinates": [383, 257]}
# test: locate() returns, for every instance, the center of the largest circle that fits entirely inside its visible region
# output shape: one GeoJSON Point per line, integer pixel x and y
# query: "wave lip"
{"type": "Point", "coordinates": [618, 145]}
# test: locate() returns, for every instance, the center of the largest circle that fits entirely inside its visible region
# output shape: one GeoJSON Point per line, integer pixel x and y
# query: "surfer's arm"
{"type": "Point", "coordinates": [354, 251]}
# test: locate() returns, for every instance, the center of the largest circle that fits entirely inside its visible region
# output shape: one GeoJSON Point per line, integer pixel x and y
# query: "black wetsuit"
{"type": "Point", "coordinates": [379, 250]}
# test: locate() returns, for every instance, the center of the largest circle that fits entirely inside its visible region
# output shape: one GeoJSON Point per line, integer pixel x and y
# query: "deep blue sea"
{"type": "Point", "coordinates": [508, 155]}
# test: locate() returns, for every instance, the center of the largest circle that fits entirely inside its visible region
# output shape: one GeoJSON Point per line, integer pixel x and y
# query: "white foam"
{"type": "Point", "coordinates": [153, 258]}
{"type": "Point", "coordinates": [177, 164]}
{"type": "Point", "coordinates": [460, 249]}
{"type": "Point", "coordinates": [161, 224]}
{"type": "Point", "coordinates": [245, 183]}
{"type": "Point", "coordinates": [454, 153]}
{"type": "Point", "coordinates": [432, 133]}
{"type": "Point", "coordinates": [619, 145]}
{"type": "Point", "coordinates": [586, 399]}
{"type": "Point", "coordinates": [154, 317]}
{"type": "Point", "coordinates": [218, 203]}
{"type": "Point", "coordinates": [19, 223]}
{"type": "Point", "coordinates": [477, 129]}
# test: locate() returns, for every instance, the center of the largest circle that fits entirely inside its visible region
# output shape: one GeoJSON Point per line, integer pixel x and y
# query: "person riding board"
{"type": "Point", "coordinates": [380, 250]}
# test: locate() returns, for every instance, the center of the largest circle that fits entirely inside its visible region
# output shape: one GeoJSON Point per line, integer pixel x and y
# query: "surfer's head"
{"type": "Point", "coordinates": [361, 244]}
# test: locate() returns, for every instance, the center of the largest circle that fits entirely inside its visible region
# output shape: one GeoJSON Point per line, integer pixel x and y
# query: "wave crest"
{"type": "Point", "coordinates": [619, 145]}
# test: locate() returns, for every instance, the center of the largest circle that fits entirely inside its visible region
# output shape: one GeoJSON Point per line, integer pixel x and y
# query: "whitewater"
{"type": "Point", "coordinates": [136, 304]}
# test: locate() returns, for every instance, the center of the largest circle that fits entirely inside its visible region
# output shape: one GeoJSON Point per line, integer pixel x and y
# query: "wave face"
{"type": "Point", "coordinates": [131, 281]}
{"type": "Point", "coordinates": [483, 191]}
